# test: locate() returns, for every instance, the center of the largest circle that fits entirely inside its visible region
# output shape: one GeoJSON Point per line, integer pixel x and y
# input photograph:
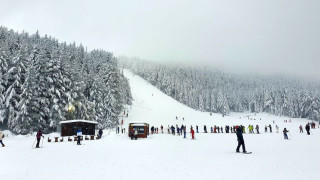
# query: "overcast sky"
{"type": "Point", "coordinates": [266, 36]}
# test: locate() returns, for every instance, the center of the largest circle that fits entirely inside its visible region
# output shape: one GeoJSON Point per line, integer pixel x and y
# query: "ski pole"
{"type": "Point", "coordinates": [290, 135]}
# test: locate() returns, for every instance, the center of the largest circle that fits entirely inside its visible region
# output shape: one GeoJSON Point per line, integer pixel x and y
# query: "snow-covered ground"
{"type": "Point", "coordinates": [164, 156]}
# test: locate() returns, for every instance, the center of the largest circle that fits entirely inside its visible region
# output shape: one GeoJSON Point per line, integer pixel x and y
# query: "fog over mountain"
{"type": "Point", "coordinates": [268, 37]}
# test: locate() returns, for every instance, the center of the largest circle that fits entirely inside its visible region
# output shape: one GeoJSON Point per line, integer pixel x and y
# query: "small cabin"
{"type": "Point", "coordinates": [70, 127]}
{"type": "Point", "coordinates": [142, 128]}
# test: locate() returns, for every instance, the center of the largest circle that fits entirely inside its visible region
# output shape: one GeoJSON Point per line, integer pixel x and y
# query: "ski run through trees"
{"type": "Point", "coordinates": [211, 90]}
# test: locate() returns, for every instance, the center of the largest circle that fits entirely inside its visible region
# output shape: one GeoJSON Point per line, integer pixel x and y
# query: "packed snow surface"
{"type": "Point", "coordinates": [165, 156]}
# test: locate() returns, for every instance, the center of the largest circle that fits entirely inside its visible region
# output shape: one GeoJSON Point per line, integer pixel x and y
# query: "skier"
{"type": "Point", "coordinates": [161, 129]}
{"type": "Point", "coordinates": [270, 128]}
{"type": "Point", "coordinates": [184, 131]}
{"type": "Point", "coordinates": [308, 129]}
{"type": "Point", "coordinates": [197, 128]}
{"type": "Point", "coordinates": [257, 128]}
{"type": "Point", "coordinates": [285, 133]}
{"type": "Point", "coordinates": [79, 135]}
{"type": "Point", "coordinates": [100, 133]}
{"type": "Point", "coordinates": [205, 128]}
{"type": "Point", "coordinates": [1, 138]}
{"type": "Point", "coordinates": [168, 129]}
{"type": "Point", "coordinates": [192, 133]}
{"type": "Point", "coordinates": [266, 129]}
{"type": "Point", "coordinates": [39, 135]}
{"type": "Point", "coordinates": [277, 128]}
{"type": "Point", "coordinates": [240, 140]}
{"type": "Point", "coordinates": [221, 129]}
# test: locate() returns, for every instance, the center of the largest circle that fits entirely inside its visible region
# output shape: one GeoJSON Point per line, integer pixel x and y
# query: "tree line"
{"type": "Point", "coordinates": [43, 82]}
{"type": "Point", "coordinates": [211, 90]}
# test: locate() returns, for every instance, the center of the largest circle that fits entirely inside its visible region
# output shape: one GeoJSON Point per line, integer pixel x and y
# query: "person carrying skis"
{"type": "Point", "coordinates": [285, 133]}
{"type": "Point", "coordinates": [1, 138]}
{"type": "Point", "coordinates": [39, 135]}
{"type": "Point", "coordinates": [240, 140]}
{"type": "Point", "coordinates": [79, 135]}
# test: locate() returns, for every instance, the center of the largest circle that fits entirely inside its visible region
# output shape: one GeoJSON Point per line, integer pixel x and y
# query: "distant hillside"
{"type": "Point", "coordinates": [210, 90]}
{"type": "Point", "coordinates": [43, 82]}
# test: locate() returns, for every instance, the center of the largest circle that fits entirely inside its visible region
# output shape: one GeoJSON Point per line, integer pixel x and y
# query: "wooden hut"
{"type": "Point", "coordinates": [142, 128]}
{"type": "Point", "coordinates": [70, 127]}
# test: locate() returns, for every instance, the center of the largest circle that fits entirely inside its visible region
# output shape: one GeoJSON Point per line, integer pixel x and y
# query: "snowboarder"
{"type": "Point", "coordinates": [39, 135]}
{"type": "Point", "coordinates": [1, 138]}
{"type": "Point", "coordinates": [100, 133]}
{"type": "Point", "coordinates": [308, 128]}
{"type": "Point", "coordinates": [285, 133]}
{"type": "Point", "coordinates": [240, 140]}
{"type": "Point", "coordinates": [79, 135]}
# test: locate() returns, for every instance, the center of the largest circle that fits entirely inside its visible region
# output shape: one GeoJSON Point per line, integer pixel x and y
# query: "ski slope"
{"type": "Point", "coordinates": [164, 156]}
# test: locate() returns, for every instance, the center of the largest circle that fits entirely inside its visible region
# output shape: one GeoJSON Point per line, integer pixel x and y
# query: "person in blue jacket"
{"type": "Point", "coordinates": [79, 135]}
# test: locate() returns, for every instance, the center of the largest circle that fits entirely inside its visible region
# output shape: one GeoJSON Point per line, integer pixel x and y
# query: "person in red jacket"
{"type": "Point", "coordinates": [192, 133]}
{"type": "Point", "coordinates": [39, 135]}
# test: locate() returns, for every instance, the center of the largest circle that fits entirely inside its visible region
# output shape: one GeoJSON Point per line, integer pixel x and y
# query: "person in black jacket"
{"type": "Point", "coordinates": [308, 129]}
{"type": "Point", "coordinates": [240, 140]}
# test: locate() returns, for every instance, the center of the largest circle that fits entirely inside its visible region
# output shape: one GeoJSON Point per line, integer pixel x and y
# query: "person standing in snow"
{"type": "Point", "coordinates": [270, 128]}
{"type": "Point", "coordinates": [285, 133]}
{"type": "Point", "coordinates": [301, 129]}
{"type": "Point", "coordinates": [135, 134]}
{"type": "Point", "coordinates": [161, 129]}
{"type": "Point", "coordinates": [79, 135]}
{"type": "Point", "coordinates": [192, 133]}
{"type": "Point", "coordinates": [205, 129]}
{"type": "Point", "coordinates": [184, 131]}
{"type": "Point", "coordinates": [197, 129]}
{"type": "Point", "coordinates": [1, 138]}
{"type": "Point", "coordinates": [100, 133]}
{"type": "Point", "coordinates": [39, 135]}
{"type": "Point", "coordinates": [266, 129]}
{"type": "Point", "coordinates": [240, 140]}
{"type": "Point", "coordinates": [257, 128]}
{"type": "Point", "coordinates": [308, 129]}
